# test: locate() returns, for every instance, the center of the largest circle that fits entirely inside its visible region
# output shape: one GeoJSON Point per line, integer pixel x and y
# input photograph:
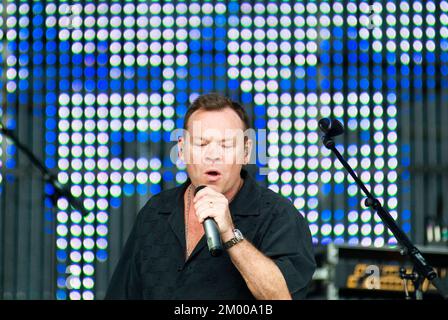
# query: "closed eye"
{"type": "Point", "coordinates": [223, 144]}
{"type": "Point", "coordinates": [201, 143]}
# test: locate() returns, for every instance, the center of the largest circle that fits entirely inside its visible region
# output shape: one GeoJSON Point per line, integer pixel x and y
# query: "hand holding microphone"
{"type": "Point", "coordinates": [212, 209]}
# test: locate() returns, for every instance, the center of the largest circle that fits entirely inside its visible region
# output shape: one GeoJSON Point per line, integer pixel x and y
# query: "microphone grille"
{"type": "Point", "coordinates": [199, 188]}
{"type": "Point", "coordinates": [337, 127]}
{"type": "Point", "coordinates": [324, 124]}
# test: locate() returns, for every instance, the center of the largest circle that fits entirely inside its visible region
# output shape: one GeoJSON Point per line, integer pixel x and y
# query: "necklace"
{"type": "Point", "coordinates": [187, 221]}
{"type": "Point", "coordinates": [188, 215]}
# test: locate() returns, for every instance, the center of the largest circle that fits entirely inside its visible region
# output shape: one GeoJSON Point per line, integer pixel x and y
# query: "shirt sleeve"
{"type": "Point", "coordinates": [287, 241]}
{"type": "Point", "coordinates": [125, 282]}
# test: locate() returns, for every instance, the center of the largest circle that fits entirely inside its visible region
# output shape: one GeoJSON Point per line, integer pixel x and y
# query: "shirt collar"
{"type": "Point", "coordinates": [245, 203]}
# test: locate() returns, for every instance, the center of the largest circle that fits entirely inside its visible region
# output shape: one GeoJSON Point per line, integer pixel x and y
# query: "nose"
{"type": "Point", "coordinates": [213, 152]}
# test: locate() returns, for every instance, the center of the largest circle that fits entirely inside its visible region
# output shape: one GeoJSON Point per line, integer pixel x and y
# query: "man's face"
{"type": "Point", "coordinates": [214, 149]}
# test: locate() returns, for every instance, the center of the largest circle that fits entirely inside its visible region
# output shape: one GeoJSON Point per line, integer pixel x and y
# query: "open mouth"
{"type": "Point", "coordinates": [213, 174]}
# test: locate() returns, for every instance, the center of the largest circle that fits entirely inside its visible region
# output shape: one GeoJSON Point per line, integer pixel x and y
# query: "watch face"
{"type": "Point", "coordinates": [238, 234]}
{"type": "Point", "coordinates": [238, 238]}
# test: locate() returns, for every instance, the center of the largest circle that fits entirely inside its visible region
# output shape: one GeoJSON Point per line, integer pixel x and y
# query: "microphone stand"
{"type": "Point", "coordinates": [422, 270]}
{"type": "Point", "coordinates": [59, 190]}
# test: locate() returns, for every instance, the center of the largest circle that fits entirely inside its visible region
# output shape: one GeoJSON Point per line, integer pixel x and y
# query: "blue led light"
{"type": "Point", "coordinates": [155, 189]}
{"type": "Point", "coordinates": [128, 189]}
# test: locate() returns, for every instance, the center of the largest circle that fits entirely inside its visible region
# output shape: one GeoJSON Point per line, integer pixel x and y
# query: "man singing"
{"type": "Point", "coordinates": [268, 251]}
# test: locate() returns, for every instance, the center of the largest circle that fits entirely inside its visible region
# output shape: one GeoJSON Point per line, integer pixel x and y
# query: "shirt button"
{"type": "Point", "coordinates": [179, 268]}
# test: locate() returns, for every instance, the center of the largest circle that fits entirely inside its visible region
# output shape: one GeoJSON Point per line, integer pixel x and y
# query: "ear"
{"type": "Point", "coordinates": [247, 150]}
{"type": "Point", "coordinates": [181, 148]}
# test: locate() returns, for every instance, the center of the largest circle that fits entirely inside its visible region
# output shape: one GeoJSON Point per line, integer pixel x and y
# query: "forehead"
{"type": "Point", "coordinates": [223, 123]}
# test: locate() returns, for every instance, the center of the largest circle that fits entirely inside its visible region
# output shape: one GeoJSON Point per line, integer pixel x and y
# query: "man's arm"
{"type": "Point", "coordinates": [263, 277]}
{"type": "Point", "coordinates": [282, 264]}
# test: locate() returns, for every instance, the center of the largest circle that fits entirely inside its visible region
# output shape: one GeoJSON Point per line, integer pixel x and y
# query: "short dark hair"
{"type": "Point", "coordinates": [215, 101]}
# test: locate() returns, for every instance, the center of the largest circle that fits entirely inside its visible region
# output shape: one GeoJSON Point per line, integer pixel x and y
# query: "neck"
{"type": "Point", "coordinates": [234, 190]}
{"type": "Point", "coordinates": [230, 194]}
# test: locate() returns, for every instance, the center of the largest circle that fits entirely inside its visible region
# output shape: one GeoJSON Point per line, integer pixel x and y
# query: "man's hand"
{"type": "Point", "coordinates": [209, 203]}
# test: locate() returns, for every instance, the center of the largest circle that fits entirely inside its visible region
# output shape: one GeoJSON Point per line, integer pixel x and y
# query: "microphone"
{"type": "Point", "coordinates": [211, 233]}
{"type": "Point", "coordinates": [422, 270]}
{"type": "Point", "coordinates": [331, 127]}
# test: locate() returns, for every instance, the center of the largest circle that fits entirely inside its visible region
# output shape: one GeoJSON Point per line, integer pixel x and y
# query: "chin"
{"type": "Point", "coordinates": [216, 187]}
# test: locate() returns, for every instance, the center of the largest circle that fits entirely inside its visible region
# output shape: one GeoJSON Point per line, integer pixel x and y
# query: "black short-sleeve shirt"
{"type": "Point", "coordinates": [153, 266]}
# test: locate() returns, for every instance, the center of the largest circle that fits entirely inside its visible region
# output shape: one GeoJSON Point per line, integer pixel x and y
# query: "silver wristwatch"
{"type": "Point", "coordinates": [238, 237]}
